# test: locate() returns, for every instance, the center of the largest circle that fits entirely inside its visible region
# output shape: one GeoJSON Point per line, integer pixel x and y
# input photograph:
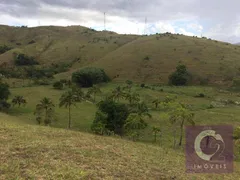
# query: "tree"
{"type": "Point", "coordinates": [133, 98]}
{"type": "Point", "coordinates": [180, 116]}
{"type": "Point", "coordinates": [69, 99]}
{"type": "Point", "coordinates": [4, 49]}
{"type": "Point", "coordinates": [116, 113]}
{"type": "Point", "coordinates": [134, 124]}
{"type": "Point", "coordinates": [4, 94]}
{"type": "Point", "coordinates": [89, 76]}
{"type": "Point", "coordinates": [142, 110]}
{"type": "Point", "coordinates": [80, 96]}
{"type": "Point", "coordinates": [45, 108]}
{"type": "Point", "coordinates": [129, 85]}
{"type": "Point", "coordinates": [99, 124]}
{"type": "Point", "coordinates": [117, 94]}
{"type": "Point", "coordinates": [24, 60]}
{"type": "Point", "coordinates": [18, 100]}
{"type": "Point", "coordinates": [4, 91]}
{"type": "Point", "coordinates": [155, 130]}
{"type": "Point", "coordinates": [94, 91]}
{"type": "Point", "coordinates": [156, 102]}
{"type": "Point", "coordinates": [180, 77]}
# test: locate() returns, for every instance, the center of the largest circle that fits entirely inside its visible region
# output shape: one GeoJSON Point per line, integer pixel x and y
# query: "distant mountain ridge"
{"type": "Point", "coordinates": [140, 58]}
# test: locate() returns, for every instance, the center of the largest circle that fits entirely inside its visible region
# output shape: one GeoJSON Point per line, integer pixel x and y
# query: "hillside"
{"type": "Point", "coordinates": [140, 58]}
{"type": "Point", "coordinates": [34, 152]}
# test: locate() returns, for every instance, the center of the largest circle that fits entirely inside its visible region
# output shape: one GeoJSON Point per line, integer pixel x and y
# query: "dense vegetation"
{"type": "Point", "coordinates": [89, 76]}
{"type": "Point", "coordinates": [24, 60]}
{"type": "Point", "coordinates": [4, 49]}
{"type": "Point", "coordinates": [4, 94]}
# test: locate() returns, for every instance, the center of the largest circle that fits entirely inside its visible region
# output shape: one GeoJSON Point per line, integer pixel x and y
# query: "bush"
{"type": "Point", "coordinates": [142, 85]}
{"type": "Point", "coordinates": [42, 82]}
{"type": "Point", "coordinates": [180, 77]}
{"type": "Point", "coordinates": [200, 95]}
{"type": "Point", "coordinates": [4, 91]}
{"type": "Point", "coordinates": [4, 49]}
{"type": "Point", "coordinates": [4, 106]}
{"type": "Point", "coordinates": [4, 94]}
{"type": "Point", "coordinates": [24, 60]}
{"type": "Point", "coordinates": [99, 123]}
{"type": "Point", "coordinates": [58, 85]}
{"type": "Point", "coordinates": [89, 76]}
{"type": "Point", "coordinates": [111, 116]}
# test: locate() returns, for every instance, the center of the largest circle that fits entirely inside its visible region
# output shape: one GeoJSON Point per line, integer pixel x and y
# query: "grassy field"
{"type": "Point", "coordinates": [35, 152]}
{"type": "Point", "coordinates": [140, 58]}
{"type": "Point", "coordinates": [84, 113]}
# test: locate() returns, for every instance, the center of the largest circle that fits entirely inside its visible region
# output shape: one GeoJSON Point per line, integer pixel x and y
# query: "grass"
{"type": "Point", "coordinates": [35, 152]}
{"type": "Point", "coordinates": [84, 113]}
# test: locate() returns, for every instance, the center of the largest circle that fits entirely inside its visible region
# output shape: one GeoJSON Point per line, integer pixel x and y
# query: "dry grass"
{"type": "Point", "coordinates": [34, 152]}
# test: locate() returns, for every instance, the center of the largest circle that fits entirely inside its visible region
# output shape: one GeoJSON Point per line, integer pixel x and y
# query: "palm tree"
{"type": "Point", "coordinates": [117, 93]}
{"type": "Point", "coordinates": [18, 100]}
{"type": "Point", "coordinates": [142, 110]}
{"type": "Point", "coordinates": [47, 106]}
{"type": "Point", "coordinates": [156, 102]}
{"type": "Point", "coordinates": [79, 93]}
{"type": "Point", "coordinates": [129, 85]}
{"type": "Point", "coordinates": [134, 124]}
{"type": "Point", "coordinates": [68, 99]}
{"type": "Point", "coordinates": [94, 90]}
{"type": "Point", "coordinates": [133, 97]}
{"type": "Point", "coordinates": [181, 115]}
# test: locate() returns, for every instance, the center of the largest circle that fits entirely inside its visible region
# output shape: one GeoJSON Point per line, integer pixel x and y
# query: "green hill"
{"type": "Point", "coordinates": [140, 58]}
{"type": "Point", "coordinates": [35, 152]}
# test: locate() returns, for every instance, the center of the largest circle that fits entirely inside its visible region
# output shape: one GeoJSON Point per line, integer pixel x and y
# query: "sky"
{"type": "Point", "coordinates": [215, 19]}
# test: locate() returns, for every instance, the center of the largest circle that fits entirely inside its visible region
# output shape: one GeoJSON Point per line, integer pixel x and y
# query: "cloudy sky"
{"type": "Point", "coordinates": [217, 19]}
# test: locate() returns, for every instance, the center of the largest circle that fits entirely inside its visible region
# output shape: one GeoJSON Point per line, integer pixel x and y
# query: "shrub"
{"type": "Point", "coordinates": [200, 95]}
{"type": "Point", "coordinates": [4, 49]}
{"type": "Point", "coordinates": [24, 60]}
{"type": "Point", "coordinates": [42, 82]}
{"type": "Point", "coordinates": [147, 58]}
{"type": "Point", "coordinates": [180, 77]}
{"type": "Point", "coordinates": [31, 42]}
{"type": "Point", "coordinates": [4, 106]}
{"type": "Point", "coordinates": [4, 94]}
{"type": "Point", "coordinates": [99, 123]}
{"type": "Point", "coordinates": [4, 91]}
{"type": "Point", "coordinates": [142, 85]}
{"type": "Point", "coordinates": [58, 85]}
{"type": "Point", "coordinates": [89, 76]}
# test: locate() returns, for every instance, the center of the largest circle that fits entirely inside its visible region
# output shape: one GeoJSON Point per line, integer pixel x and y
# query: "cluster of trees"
{"type": "Point", "coordinates": [33, 72]}
{"type": "Point", "coordinates": [89, 76]}
{"type": "Point", "coordinates": [115, 117]}
{"type": "Point", "coordinates": [24, 60]}
{"type": "Point", "coordinates": [45, 109]}
{"type": "Point", "coordinates": [4, 49]}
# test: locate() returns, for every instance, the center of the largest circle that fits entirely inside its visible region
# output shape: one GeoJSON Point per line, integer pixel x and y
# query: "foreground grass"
{"type": "Point", "coordinates": [35, 152]}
